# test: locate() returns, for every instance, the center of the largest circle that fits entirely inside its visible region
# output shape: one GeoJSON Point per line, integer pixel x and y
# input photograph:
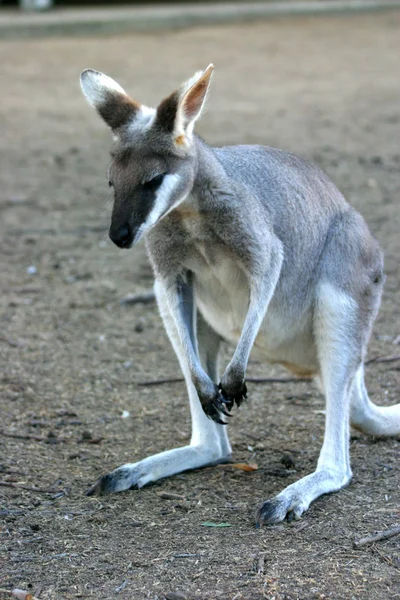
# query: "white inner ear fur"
{"type": "Point", "coordinates": [184, 124]}
{"type": "Point", "coordinates": [96, 86]}
{"type": "Point", "coordinates": [190, 82]}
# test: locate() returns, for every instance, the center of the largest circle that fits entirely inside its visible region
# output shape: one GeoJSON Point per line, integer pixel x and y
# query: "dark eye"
{"type": "Point", "coordinates": [110, 183]}
{"type": "Point", "coordinates": [154, 183]}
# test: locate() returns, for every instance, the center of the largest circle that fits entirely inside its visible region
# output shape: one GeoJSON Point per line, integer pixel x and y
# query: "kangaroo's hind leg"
{"type": "Point", "coordinates": [369, 418]}
{"type": "Point", "coordinates": [209, 442]}
{"type": "Point", "coordinates": [336, 324]}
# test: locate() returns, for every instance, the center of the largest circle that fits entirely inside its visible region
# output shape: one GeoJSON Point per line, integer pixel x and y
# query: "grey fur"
{"type": "Point", "coordinates": [264, 249]}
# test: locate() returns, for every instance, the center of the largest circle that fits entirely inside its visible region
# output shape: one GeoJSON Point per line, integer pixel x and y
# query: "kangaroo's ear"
{"type": "Point", "coordinates": [178, 113]}
{"type": "Point", "coordinates": [109, 99]}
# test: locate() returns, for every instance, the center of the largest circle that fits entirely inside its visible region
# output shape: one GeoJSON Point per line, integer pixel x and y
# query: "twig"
{"type": "Point", "coordinates": [7, 471]}
{"type": "Point", "coordinates": [377, 537]}
{"type": "Point", "coordinates": [261, 380]}
{"type": "Point", "coordinates": [170, 496]}
{"type": "Point", "coordinates": [20, 486]}
{"type": "Point", "coordinates": [50, 439]}
{"type": "Point", "coordinates": [141, 298]}
{"type": "Point", "coordinates": [23, 436]}
{"type": "Point", "coordinates": [154, 382]}
{"type": "Point", "coordinates": [278, 379]}
{"type": "Point", "coordinates": [383, 359]}
{"type": "Point", "coordinates": [151, 382]}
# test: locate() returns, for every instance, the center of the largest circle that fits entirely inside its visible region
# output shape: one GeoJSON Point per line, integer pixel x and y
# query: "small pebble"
{"type": "Point", "coordinates": [175, 596]}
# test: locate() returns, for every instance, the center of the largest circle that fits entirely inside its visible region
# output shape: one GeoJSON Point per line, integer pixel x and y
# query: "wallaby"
{"type": "Point", "coordinates": [251, 245]}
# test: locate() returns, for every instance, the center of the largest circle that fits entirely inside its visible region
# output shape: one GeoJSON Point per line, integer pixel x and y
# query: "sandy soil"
{"type": "Point", "coordinates": [72, 356]}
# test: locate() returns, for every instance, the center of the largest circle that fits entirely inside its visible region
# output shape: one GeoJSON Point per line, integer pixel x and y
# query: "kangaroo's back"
{"type": "Point", "coordinates": [285, 183]}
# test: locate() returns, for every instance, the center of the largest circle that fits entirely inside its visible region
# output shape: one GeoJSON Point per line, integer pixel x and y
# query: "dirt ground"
{"type": "Point", "coordinates": [72, 356]}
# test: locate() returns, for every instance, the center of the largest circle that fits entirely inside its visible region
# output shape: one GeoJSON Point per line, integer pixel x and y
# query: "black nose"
{"type": "Point", "coordinates": [122, 236]}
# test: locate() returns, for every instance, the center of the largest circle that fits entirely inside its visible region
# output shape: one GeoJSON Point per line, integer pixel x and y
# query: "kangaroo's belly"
{"type": "Point", "coordinates": [222, 295]}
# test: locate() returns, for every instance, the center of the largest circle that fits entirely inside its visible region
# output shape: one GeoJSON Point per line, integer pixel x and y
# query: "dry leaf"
{"type": "Point", "coordinates": [23, 595]}
{"type": "Point", "coordinates": [242, 466]}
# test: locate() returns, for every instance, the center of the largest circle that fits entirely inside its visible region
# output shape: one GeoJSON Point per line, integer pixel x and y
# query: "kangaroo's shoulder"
{"type": "Point", "coordinates": [267, 159]}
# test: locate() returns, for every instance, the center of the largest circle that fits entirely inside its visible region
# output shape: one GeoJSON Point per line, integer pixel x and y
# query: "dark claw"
{"type": "Point", "coordinates": [219, 403]}
{"type": "Point", "coordinates": [102, 486]}
{"type": "Point", "coordinates": [224, 399]}
{"type": "Point", "coordinates": [110, 482]}
{"type": "Point", "coordinates": [228, 402]}
{"type": "Point", "coordinates": [221, 409]}
{"type": "Point", "coordinates": [290, 516]}
{"type": "Point", "coordinates": [215, 407]}
{"type": "Point", "coordinates": [236, 398]}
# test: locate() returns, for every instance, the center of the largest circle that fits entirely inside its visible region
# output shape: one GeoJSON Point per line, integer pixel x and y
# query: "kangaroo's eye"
{"type": "Point", "coordinates": [110, 183]}
{"type": "Point", "coordinates": [154, 183]}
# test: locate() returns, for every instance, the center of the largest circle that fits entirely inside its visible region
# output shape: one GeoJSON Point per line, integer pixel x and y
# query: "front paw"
{"type": "Point", "coordinates": [234, 394]}
{"type": "Point", "coordinates": [215, 404]}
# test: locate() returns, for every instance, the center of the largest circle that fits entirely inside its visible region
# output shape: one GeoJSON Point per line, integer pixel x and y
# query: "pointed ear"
{"type": "Point", "coordinates": [109, 99]}
{"type": "Point", "coordinates": [178, 113]}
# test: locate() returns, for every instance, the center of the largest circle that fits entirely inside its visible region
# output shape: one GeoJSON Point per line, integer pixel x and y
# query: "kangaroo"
{"type": "Point", "coordinates": [251, 245]}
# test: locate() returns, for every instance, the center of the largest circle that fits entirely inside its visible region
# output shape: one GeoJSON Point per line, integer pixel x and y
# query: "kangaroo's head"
{"type": "Point", "coordinates": [153, 159]}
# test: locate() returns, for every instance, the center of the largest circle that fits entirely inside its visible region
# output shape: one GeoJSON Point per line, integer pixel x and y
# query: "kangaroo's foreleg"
{"type": "Point", "coordinates": [263, 277]}
{"type": "Point", "coordinates": [178, 295]}
{"type": "Point", "coordinates": [209, 441]}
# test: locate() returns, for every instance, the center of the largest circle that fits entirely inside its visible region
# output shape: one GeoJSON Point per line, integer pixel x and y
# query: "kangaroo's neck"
{"type": "Point", "coordinates": [210, 177]}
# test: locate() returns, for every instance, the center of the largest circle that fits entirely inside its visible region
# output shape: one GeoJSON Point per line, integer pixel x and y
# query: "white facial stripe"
{"type": "Point", "coordinates": [161, 203]}
{"type": "Point", "coordinates": [95, 86]}
{"type": "Point", "coordinates": [164, 193]}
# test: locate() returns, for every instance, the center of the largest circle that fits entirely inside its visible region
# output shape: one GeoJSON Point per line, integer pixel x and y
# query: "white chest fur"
{"type": "Point", "coordinates": [222, 291]}
{"type": "Point", "coordinates": [222, 296]}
